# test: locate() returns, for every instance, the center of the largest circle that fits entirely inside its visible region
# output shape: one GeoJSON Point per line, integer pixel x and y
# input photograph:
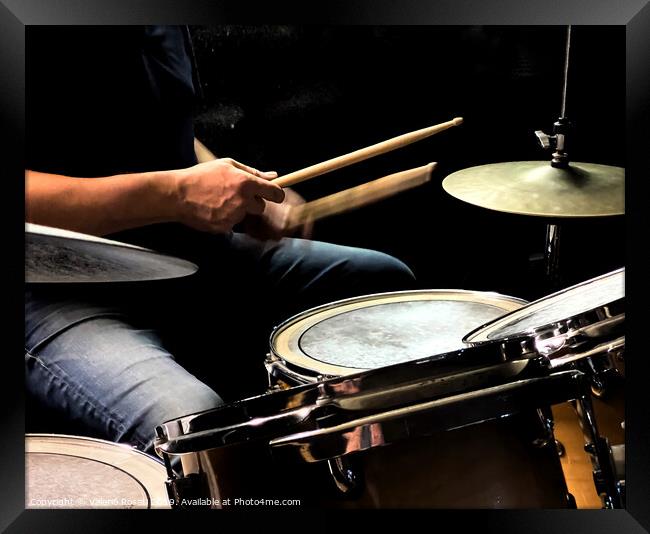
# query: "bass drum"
{"type": "Point", "coordinates": [78, 472]}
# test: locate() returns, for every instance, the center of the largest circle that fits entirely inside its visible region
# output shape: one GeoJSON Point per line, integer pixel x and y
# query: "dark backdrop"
{"type": "Point", "coordinates": [284, 97]}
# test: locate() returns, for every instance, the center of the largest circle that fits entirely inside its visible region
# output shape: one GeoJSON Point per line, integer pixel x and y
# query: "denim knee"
{"type": "Point", "coordinates": [374, 271]}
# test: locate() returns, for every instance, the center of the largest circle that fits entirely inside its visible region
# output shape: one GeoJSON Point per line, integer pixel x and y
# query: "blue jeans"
{"type": "Point", "coordinates": [117, 360]}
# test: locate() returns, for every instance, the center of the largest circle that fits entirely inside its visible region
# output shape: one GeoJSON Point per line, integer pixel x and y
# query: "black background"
{"type": "Point", "coordinates": [285, 97]}
{"type": "Point", "coordinates": [23, 12]}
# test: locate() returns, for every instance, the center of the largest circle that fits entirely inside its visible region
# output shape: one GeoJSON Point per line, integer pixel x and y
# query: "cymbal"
{"type": "Point", "coordinates": [537, 188]}
{"type": "Point", "coordinates": [53, 255]}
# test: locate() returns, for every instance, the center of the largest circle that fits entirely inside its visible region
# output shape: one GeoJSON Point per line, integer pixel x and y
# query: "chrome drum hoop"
{"type": "Point", "coordinates": [581, 335]}
{"type": "Point", "coordinates": [459, 378]}
{"type": "Point", "coordinates": [64, 471]}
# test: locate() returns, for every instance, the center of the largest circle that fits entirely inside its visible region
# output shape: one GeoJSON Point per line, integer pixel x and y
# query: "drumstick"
{"type": "Point", "coordinates": [363, 154]}
{"type": "Point", "coordinates": [361, 195]}
{"type": "Point", "coordinates": [203, 153]}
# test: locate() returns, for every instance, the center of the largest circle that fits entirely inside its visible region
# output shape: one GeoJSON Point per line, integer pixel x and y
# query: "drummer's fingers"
{"type": "Point", "coordinates": [255, 186]}
{"type": "Point", "coordinates": [256, 206]}
{"type": "Point", "coordinates": [268, 175]}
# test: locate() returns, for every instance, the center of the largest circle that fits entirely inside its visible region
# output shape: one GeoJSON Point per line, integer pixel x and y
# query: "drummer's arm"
{"type": "Point", "coordinates": [97, 206]}
{"type": "Point", "coordinates": [212, 196]}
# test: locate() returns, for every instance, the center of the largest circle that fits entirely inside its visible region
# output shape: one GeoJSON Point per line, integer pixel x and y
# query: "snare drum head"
{"type": "Point", "coordinates": [587, 296]}
{"type": "Point", "coordinates": [77, 472]}
{"type": "Point", "coordinates": [374, 331]}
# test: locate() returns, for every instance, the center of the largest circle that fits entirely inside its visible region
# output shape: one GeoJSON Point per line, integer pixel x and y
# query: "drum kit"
{"type": "Point", "coordinates": [399, 400]}
{"type": "Point", "coordinates": [425, 398]}
{"type": "Point", "coordinates": [412, 399]}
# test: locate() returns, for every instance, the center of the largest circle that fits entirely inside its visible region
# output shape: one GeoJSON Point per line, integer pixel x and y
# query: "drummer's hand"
{"type": "Point", "coordinates": [275, 222]}
{"type": "Point", "coordinates": [215, 195]}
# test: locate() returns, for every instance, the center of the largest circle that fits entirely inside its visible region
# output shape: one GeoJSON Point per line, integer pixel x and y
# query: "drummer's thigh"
{"type": "Point", "coordinates": [316, 270]}
{"type": "Point", "coordinates": [115, 379]}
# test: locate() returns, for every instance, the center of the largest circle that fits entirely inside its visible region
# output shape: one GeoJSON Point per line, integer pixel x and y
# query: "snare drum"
{"type": "Point", "coordinates": [374, 331]}
{"type": "Point", "coordinates": [389, 409]}
{"type": "Point", "coordinates": [79, 472]}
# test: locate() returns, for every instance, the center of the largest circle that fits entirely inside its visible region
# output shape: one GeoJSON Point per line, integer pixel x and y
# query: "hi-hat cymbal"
{"type": "Point", "coordinates": [53, 255]}
{"type": "Point", "coordinates": [537, 188]}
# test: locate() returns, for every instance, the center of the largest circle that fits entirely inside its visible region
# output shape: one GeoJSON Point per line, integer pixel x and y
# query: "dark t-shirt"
{"type": "Point", "coordinates": [107, 100]}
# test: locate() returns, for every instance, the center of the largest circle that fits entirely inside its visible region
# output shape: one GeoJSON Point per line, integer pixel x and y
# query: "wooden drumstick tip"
{"type": "Point", "coordinates": [432, 166]}
{"type": "Point", "coordinates": [457, 121]}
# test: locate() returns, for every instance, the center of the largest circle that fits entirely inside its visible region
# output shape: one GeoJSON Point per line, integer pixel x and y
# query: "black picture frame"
{"type": "Point", "coordinates": [15, 15]}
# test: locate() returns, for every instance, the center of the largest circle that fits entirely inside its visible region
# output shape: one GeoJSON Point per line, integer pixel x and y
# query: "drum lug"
{"type": "Point", "coordinates": [600, 369]}
{"type": "Point", "coordinates": [269, 360]}
{"type": "Point", "coordinates": [347, 479]}
{"type": "Point", "coordinates": [270, 363]}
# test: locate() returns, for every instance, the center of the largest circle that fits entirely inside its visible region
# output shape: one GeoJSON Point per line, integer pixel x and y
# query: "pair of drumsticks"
{"type": "Point", "coordinates": [364, 194]}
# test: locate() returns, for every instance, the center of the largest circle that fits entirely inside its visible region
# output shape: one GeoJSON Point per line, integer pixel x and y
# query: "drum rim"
{"type": "Point", "coordinates": [141, 470]}
{"type": "Point", "coordinates": [299, 362]}
{"type": "Point", "coordinates": [221, 436]}
{"type": "Point", "coordinates": [502, 321]}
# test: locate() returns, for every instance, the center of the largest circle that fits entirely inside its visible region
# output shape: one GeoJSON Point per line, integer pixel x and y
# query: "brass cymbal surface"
{"type": "Point", "coordinates": [53, 255]}
{"type": "Point", "coordinates": [536, 188]}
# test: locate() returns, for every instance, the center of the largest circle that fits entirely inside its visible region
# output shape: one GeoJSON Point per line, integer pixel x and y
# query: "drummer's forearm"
{"type": "Point", "coordinates": [99, 206]}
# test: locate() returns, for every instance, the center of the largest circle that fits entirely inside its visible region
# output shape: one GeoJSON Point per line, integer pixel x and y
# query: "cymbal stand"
{"type": "Point", "coordinates": [560, 160]}
{"type": "Point", "coordinates": [611, 492]}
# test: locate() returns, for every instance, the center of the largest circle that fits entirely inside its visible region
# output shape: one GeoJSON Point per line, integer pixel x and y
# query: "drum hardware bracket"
{"type": "Point", "coordinates": [570, 355]}
{"type": "Point", "coordinates": [600, 369]}
{"type": "Point", "coordinates": [600, 454]}
{"type": "Point", "coordinates": [604, 474]}
{"type": "Point", "coordinates": [556, 142]}
{"type": "Point", "coordinates": [180, 490]}
{"type": "Point", "coordinates": [276, 366]}
{"type": "Point", "coordinates": [187, 491]}
{"type": "Point", "coordinates": [546, 418]}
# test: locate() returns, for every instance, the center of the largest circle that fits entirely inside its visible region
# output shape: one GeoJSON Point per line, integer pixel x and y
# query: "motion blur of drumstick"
{"type": "Point", "coordinates": [359, 196]}
{"type": "Point", "coordinates": [363, 154]}
{"type": "Point", "coordinates": [356, 197]}
{"type": "Point", "coordinates": [203, 153]}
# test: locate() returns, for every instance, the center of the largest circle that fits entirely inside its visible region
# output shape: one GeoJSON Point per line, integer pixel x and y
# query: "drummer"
{"type": "Point", "coordinates": [111, 153]}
